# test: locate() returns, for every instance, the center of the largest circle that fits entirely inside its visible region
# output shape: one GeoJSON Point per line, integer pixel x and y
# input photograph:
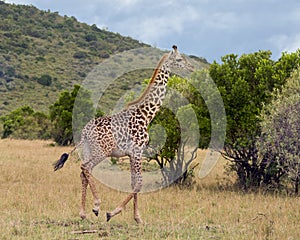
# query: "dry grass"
{"type": "Point", "coordinates": [37, 203]}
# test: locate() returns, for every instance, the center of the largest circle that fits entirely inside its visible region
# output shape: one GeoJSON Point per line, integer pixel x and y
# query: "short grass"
{"type": "Point", "coordinates": [36, 203]}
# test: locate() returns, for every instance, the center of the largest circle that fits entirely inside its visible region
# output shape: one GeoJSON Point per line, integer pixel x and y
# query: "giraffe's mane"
{"type": "Point", "coordinates": [155, 73]}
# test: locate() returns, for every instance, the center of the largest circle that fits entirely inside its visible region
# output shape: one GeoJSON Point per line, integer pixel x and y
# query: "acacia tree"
{"type": "Point", "coordinates": [61, 113]}
{"type": "Point", "coordinates": [174, 132]}
{"type": "Point", "coordinates": [280, 134]}
{"type": "Point", "coordinates": [245, 84]}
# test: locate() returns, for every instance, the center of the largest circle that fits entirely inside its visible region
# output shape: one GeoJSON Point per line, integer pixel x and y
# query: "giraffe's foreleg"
{"type": "Point", "coordinates": [136, 183]}
{"type": "Point", "coordinates": [137, 217]}
{"type": "Point", "coordinates": [119, 209]}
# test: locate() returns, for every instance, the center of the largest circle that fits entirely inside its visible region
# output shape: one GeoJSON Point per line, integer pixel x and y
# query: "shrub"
{"type": "Point", "coordinates": [45, 80]}
{"type": "Point", "coordinates": [80, 55]}
{"type": "Point", "coordinates": [279, 142]}
{"type": "Point", "coordinates": [25, 123]}
{"type": "Point", "coordinates": [245, 84]}
{"type": "Point", "coordinates": [62, 114]}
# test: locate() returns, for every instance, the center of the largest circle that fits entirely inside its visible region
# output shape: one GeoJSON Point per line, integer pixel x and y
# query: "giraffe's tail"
{"type": "Point", "coordinates": [64, 157]}
{"type": "Point", "coordinates": [60, 163]}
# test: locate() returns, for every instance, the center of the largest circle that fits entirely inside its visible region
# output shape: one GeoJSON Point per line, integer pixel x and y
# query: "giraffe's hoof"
{"type": "Point", "coordinates": [82, 214]}
{"type": "Point", "coordinates": [138, 220]}
{"type": "Point", "coordinates": [108, 216]}
{"type": "Point", "coordinates": [96, 212]}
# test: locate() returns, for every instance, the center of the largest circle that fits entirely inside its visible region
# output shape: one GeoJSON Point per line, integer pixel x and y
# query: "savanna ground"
{"type": "Point", "coordinates": [37, 203]}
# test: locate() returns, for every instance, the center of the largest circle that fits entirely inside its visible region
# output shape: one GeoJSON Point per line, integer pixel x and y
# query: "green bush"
{"type": "Point", "coordinates": [45, 80]}
{"type": "Point", "coordinates": [62, 114]}
{"type": "Point", "coordinates": [246, 84]}
{"type": "Point", "coordinates": [279, 142]}
{"type": "Point", "coordinates": [25, 123]}
{"type": "Point", "coordinates": [80, 55]}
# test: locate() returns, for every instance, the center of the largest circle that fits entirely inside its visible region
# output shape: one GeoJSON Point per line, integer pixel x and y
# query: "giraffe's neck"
{"type": "Point", "coordinates": [150, 101]}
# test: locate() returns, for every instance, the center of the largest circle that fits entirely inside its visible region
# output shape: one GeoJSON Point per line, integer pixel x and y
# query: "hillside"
{"type": "Point", "coordinates": [42, 53]}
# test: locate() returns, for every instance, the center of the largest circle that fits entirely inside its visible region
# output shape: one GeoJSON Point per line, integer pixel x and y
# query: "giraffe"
{"type": "Point", "coordinates": [124, 134]}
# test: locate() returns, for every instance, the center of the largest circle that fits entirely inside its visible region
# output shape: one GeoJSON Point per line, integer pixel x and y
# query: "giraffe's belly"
{"type": "Point", "coordinates": [117, 153]}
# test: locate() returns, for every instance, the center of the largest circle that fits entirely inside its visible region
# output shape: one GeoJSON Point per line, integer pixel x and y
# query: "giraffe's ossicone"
{"type": "Point", "coordinates": [124, 134]}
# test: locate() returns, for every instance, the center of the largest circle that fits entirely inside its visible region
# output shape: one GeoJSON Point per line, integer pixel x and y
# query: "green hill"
{"type": "Point", "coordinates": [42, 53]}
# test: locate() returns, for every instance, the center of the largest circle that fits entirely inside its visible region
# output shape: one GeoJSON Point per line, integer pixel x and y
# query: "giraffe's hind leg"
{"type": "Point", "coordinates": [84, 182]}
{"type": "Point", "coordinates": [95, 194]}
{"type": "Point", "coordinates": [87, 179]}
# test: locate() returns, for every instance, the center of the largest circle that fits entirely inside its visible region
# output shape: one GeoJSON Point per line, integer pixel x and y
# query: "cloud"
{"type": "Point", "coordinates": [293, 44]}
{"type": "Point", "coordinates": [16, 1]}
{"type": "Point", "coordinates": [221, 21]}
{"type": "Point", "coordinates": [294, 15]}
{"type": "Point", "coordinates": [285, 43]}
{"type": "Point", "coordinates": [208, 28]}
{"type": "Point", "coordinates": [156, 22]}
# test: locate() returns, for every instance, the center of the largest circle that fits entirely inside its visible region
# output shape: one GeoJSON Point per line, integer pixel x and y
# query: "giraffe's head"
{"type": "Point", "coordinates": [176, 60]}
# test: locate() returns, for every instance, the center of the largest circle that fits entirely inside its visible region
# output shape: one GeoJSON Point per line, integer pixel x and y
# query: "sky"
{"type": "Point", "coordinates": [204, 28]}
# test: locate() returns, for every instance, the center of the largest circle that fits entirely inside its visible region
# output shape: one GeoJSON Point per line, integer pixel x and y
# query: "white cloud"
{"type": "Point", "coordinates": [285, 43]}
{"type": "Point", "coordinates": [294, 15]}
{"type": "Point", "coordinates": [278, 41]}
{"type": "Point", "coordinates": [208, 28]}
{"type": "Point", "coordinates": [18, 1]}
{"type": "Point", "coordinates": [293, 44]}
{"type": "Point", "coordinates": [127, 2]}
{"type": "Point", "coordinates": [221, 20]}
{"type": "Point", "coordinates": [152, 27]}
